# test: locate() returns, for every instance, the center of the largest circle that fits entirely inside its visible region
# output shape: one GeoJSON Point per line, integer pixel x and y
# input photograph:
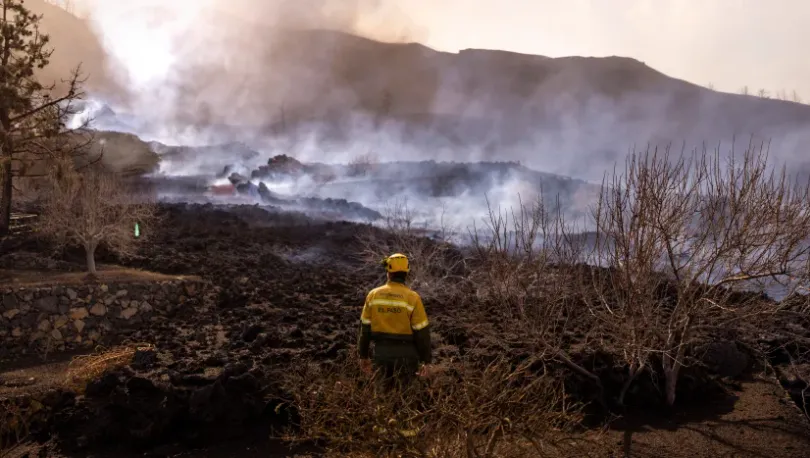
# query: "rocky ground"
{"type": "Point", "coordinates": [291, 290]}
{"type": "Point", "coordinates": [285, 294]}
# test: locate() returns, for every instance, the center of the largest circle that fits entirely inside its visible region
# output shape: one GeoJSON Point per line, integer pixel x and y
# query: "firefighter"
{"type": "Point", "coordinates": [394, 319]}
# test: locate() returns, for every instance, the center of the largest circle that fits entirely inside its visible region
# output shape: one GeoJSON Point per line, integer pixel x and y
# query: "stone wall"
{"type": "Point", "coordinates": [62, 317]}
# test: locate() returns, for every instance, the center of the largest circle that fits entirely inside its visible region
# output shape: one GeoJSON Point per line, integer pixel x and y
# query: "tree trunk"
{"type": "Point", "coordinates": [5, 195]}
{"type": "Point", "coordinates": [6, 145]}
{"type": "Point", "coordinates": [635, 369]}
{"type": "Point", "coordinates": [90, 253]}
{"type": "Point", "coordinates": [671, 383]}
{"type": "Point", "coordinates": [672, 364]}
{"type": "Point", "coordinates": [672, 369]}
{"type": "Point", "coordinates": [6, 175]}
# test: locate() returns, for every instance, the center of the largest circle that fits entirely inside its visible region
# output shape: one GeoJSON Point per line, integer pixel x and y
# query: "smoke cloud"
{"type": "Point", "coordinates": [282, 77]}
{"type": "Point", "coordinates": [236, 62]}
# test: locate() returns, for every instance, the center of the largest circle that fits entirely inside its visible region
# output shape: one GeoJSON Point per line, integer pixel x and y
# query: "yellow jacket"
{"type": "Point", "coordinates": [394, 312]}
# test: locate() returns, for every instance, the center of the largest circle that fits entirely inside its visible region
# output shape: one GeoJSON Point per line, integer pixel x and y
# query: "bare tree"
{"type": "Point", "coordinates": [795, 97]}
{"type": "Point", "coordinates": [29, 112]}
{"type": "Point", "coordinates": [763, 93]}
{"type": "Point", "coordinates": [362, 165]}
{"type": "Point", "coordinates": [681, 238]}
{"type": "Point", "coordinates": [745, 91]}
{"type": "Point", "coordinates": [94, 207]}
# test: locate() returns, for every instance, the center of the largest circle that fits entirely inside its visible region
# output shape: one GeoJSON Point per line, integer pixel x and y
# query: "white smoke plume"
{"type": "Point", "coordinates": [225, 62]}
{"type": "Point", "coordinates": [217, 71]}
{"type": "Point", "coordinates": [208, 72]}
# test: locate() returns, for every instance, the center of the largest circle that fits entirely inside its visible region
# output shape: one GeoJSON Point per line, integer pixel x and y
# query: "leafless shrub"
{"type": "Point", "coordinates": [522, 269]}
{"type": "Point", "coordinates": [493, 411]}
{"type": "Point", "coordinates": [18, 416]}
{"type": "Point", "coordinates": [27, 190]}
{"type": "Point", "coordinates": [362, 165]}
{"type": "Point", "coordinates": [435, 264]}
{"type": "Point", "coordinates": [92, 207]}
{"type": "Point", "coordinates": [681, 238]}
{"type": "Point", "coordinates": [519, 255]}
{"type": "Point", "coordinates": [14, 427]}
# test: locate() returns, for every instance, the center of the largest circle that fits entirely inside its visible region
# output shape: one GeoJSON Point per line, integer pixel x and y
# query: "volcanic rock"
{"type": "Point", "coordinates": [237, 179]}
{"type": "Point", "coordinates": [79, 313]}
{"type": "Point", "coordinates": [247, 188]}
{"type": "Point", "coordinates": [48, 304]}
{"type": "Point", "coordinates": [144, 359]}
{"type": "Point", "coordinates": [98, 309]}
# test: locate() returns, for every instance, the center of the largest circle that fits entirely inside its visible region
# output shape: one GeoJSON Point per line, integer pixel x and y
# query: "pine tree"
{"type": "Point", "coordinates": [30, 116]}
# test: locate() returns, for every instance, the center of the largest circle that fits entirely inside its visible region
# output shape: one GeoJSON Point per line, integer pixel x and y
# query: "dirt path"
{"type": "Point", "coordinates": [758, 420]}
{"type": "Point", "coordinates": [32, 374]}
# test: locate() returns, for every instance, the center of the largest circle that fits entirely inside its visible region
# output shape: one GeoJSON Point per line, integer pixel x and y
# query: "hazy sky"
{"type": "Point", "coordinates": [729, 43]}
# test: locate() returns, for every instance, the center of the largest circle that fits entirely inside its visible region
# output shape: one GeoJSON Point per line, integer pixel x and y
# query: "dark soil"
{"type": "Point", "coordinates": [292, 290]}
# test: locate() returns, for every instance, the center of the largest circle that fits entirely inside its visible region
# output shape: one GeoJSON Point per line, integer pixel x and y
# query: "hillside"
{"type": "Point", "coordinates": [333, 91]}
{"type": "Point", "coordinates": [74, 43]}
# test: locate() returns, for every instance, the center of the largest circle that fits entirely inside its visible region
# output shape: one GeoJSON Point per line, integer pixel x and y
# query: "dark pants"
{"type": "Point", "coordinates": [397, 364]}
{"type": "Point", "coordinates": [398, 361]}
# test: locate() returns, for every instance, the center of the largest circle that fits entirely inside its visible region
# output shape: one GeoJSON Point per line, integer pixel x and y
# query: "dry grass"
{"type": "Point", "coordinates": [469, 410]}
{"type": "Point", "coordinates": [86, 368]}
{"type": "Point", "coordinates": [70, 375]}
{"type": "Point", "coordinates": [19, 406]}
{"type": "Point", "coordinates": [111, 274]}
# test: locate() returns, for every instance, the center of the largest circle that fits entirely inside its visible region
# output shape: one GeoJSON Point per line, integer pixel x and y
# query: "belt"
{"type": "Point", "coordinates": [392, 341]}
